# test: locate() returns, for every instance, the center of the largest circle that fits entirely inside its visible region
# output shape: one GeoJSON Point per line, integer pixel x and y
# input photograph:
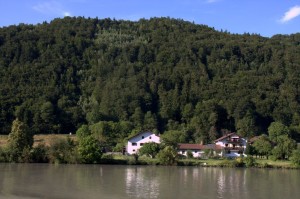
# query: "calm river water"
{"type": "Point", "coordinates": [122, 182]}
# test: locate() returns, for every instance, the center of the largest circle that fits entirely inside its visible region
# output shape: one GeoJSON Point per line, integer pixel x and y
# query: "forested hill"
{"type": "Point", "coordinates": [164, 74]}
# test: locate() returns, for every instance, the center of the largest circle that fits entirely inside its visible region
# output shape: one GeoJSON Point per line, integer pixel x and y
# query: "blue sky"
{"type": "Point", "coordinates": [264, 17]}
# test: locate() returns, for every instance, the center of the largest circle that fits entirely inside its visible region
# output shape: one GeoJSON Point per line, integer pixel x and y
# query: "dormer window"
{"type": "Point", "coordinates": [143, 137]}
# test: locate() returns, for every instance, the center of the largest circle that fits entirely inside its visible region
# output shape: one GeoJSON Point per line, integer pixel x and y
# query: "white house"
{"type": "Point", "coordinates": [232, 144]}
{"type": "Point", "coordinates": [198, 150]}
{"type": "Point", "coordinates": [136, 142]}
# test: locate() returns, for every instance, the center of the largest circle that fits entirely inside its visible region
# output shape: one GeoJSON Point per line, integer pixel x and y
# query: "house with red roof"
{"type": "Point", "coordinates": [229, 145]}
{"type": "Point", "coordinates": [232, 145]}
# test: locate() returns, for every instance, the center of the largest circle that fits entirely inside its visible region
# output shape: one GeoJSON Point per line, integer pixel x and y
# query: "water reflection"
{"type": "Point", "coordinates": [123, 182]}
{"type": "Point", "coordinates": [142, 183]}
{"type": "Point", "coordinates": [231, 183]}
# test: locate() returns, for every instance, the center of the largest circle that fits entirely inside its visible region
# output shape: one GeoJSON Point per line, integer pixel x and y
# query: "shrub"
{"type": "Point", "coordinates": [249, 161]}
{"type": "Point", "coordinates": [227, 163]}
{"type": "Point", "coordinates": [295, 158]}
{"type": "Point", "coordinates": [238, 162]}
{"type": "Point", "coordinates": [26, 155]}
{"type": "Point", "coordinates": [150, 149]}
{"type": "Point", "coordinates": [63, 151]}
{"type": "Point", "coordinates": [167, 156]}
{"type": "Point", "coordinates": [189, 154]}
{"type": "Point", "coordinates": [39, 154]}
{"type": "Point", "coordinates": [4, 155]}
{"type": "Point", "coordinates": [89, 150]}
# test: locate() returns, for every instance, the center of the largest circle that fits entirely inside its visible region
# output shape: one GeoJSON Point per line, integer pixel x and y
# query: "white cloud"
{"type": "Point", "coordinates": [51, 8]}
{"type": "Point", "coordinates": [67, 14]}
{"type": "Point", "coordinates": [291, 14]}
{"type": "Point", "coordinates": [211, 1]}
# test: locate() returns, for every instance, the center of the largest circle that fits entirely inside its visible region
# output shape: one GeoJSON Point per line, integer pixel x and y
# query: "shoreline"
{"type": "Point", "coordinates": [221, 163]}
{"type": "Point", "coordinates": [209, 163]}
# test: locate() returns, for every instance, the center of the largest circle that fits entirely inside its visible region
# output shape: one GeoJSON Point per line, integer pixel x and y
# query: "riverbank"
{"type": "Point", "coordinates": [257, 163]}
{"type": "Point", "coordinates": [49, 149]}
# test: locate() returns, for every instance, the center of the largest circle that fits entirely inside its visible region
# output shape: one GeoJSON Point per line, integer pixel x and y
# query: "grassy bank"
{"type": "Point", "coordinates": [258, 163]}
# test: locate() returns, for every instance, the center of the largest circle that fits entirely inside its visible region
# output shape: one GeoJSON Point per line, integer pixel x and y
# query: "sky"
{"type": "Point", "coordinates": [263, 17]}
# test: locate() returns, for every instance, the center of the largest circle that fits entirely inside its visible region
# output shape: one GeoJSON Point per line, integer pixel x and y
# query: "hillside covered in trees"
{"type": "Point", "coordinates": [120, 77]}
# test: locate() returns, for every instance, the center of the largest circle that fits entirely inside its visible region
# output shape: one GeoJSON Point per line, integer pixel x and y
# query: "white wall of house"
{"type": "Point", "coordinates": [224, 141]}
{"type": "Point", "coordinates": [136, 142]}
{"type": "Point", "coordinates": [196, 153]}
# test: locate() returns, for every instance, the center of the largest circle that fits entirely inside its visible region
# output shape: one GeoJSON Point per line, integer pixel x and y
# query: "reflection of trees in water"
{"type": "Point", "coordinates": [231, 183]}
{"type": "Point", "coordinates": [142, 182]}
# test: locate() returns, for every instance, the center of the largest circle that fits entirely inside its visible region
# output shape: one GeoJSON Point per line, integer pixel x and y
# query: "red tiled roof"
{"type": "Point", "coordinates": [186, 146]}
{"type": "Point", "coordinates": [225, 136]}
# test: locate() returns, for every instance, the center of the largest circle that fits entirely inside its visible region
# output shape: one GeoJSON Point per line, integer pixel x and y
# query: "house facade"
{"type": "Point", "coordinates": [136, 142]}
{"type": "Point", "coordinates": [198, 150]}
{"type": "Point", "coordinates": [232, 145]}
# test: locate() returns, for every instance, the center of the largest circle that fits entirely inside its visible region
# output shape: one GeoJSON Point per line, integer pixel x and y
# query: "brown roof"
{"type": "Point", "coordinates": [225, 136]}
{"type": "Point", "coordinates": [186, 146]}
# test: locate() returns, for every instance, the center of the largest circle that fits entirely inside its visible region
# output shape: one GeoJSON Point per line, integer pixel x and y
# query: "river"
{"type": "Point", "coordinates": [32, 181]}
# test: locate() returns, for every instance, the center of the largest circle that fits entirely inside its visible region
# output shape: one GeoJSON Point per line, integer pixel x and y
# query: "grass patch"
{"type": "Point", "coordinates": [264, 163]}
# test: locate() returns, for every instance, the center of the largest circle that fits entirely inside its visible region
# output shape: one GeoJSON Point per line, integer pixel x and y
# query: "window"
{"type": "Point", "coordinates": [133, 150]}
{"type": "Point", "coordinates": [143, 137]}
{"type": "Point", "coordinates": [134, 144]}
{"type": "Point", "coordinates": [226, 145]}
{"type": "Point", "coordinates": [150, 137]}
{"type": "Point", "coordinates": [141, 144]}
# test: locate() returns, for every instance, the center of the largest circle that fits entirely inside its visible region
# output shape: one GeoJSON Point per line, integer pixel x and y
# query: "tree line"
{"type": "Point", "coordinates": [114, 78]}
{"type": "Point", "coordinates": [88, 149]}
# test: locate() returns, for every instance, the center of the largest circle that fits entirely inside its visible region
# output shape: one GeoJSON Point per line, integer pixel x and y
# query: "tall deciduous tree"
{"type": "Point", "coordinates": [284, 147]}
{"type": "Point", "coordinates": [173, 137]}
{"type": "Point", "coordinates": [263, 146]}
{"type": "Point", "coordinates": [19, 139]}
{"type": "Point", "coordinates": [277, 129]}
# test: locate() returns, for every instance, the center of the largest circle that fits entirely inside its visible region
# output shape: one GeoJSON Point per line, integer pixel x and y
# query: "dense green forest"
{"type": "Point", "coordinates": [114, 78]}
